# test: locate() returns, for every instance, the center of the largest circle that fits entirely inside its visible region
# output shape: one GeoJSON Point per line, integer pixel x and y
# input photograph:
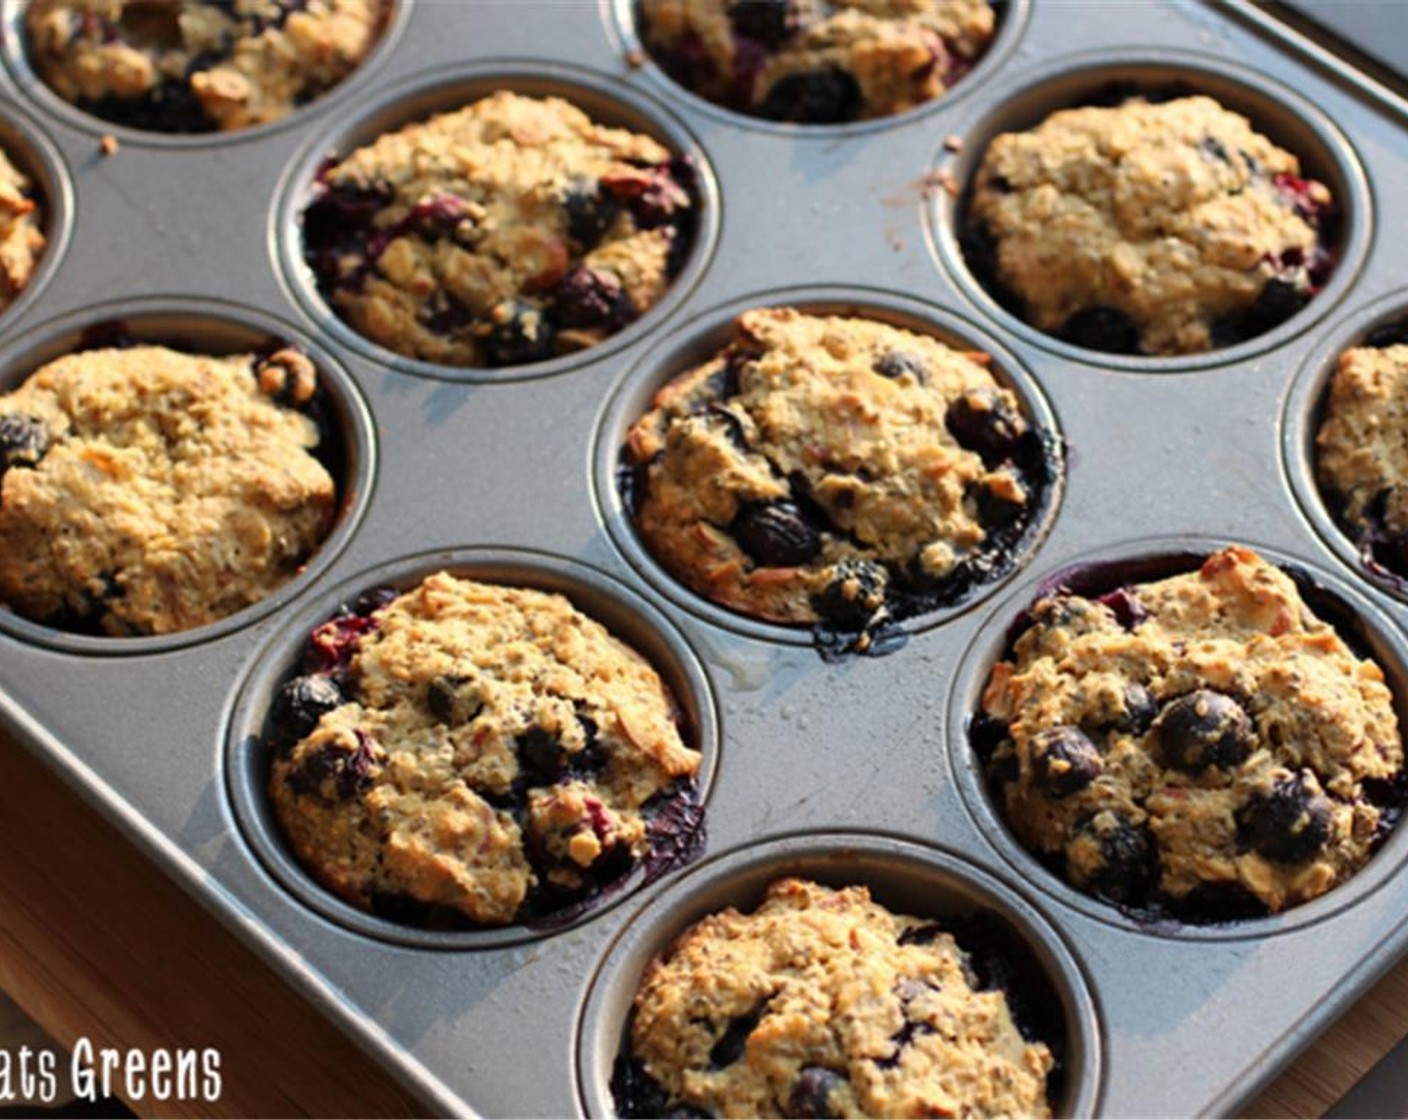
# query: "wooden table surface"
{"type": "Point", "coordinates": [96, 942]}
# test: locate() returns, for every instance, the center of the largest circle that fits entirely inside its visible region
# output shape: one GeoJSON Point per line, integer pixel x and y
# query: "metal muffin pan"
{"type": "Point", "coordinates": [1194, 451]}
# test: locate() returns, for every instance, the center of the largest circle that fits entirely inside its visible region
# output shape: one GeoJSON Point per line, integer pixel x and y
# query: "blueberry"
{"type": "Point", "coordinates": [1394, 334]}
{"type": "Point", "coordinates": [765, 21]}
{"type": "Point", "coordinates": [734, 1040]}
{"type": "Point", "coordinates": [301, 702]}
{"type": "Point", "coordinates": [592, 758]}
{"type": "Point", "coordinates": [732, 426]}
{"type": "Point", "coordinates": [986, 733]}
{"type": "Point", "coordinates": [812, 1093]}
{"type": "Point", "coordinates": [1106, 329]}
{"type": "Point", "coordinates": [541, 755]}
{"type": "Point", "coordinates": [1129, 612]}
{"type": "Point", "coordinates": [1064, 761]}
{"type": "Point", "coordinates": [1204, 728]}
{"type": "Point", "coordinates": [590, 211]}
{"type": "Point", "coordinates": [519, 334]}
{"type": "Point", "coordinates": [1288, 822]}
{"type": "Point", "coordinates": [920, 935]}
{"type": "Point", "coordinates": [1126, 857]}
{"type": "Point", "coordinates": [371, 601]}
{"type": "Point", "coordinates": [1140, 709]}
{"type": "Point", "coordinates": [1215, 150]}
{"type": "Point", "coordinates": [454, 700]}
{"type": "Point", "coordinates": [854, 593]}
{"type": "Point", "coordinates": [586, 298]}
{"type": "Point", "coordinates": [665, 197]}
{"type": "Point", "coordinates": [896, 363]}
{"type": "Point", "coordinates": [1274, 304]}
{"type": "Point", "coordinates": [996, 511]}
{"type": "Point", "coordinates": [23, 441]}
{"type": "Point", "coordinates": [775, 534]}
{"type": "Point", "coordinates": [830, 96]}
{"type": "Point", "coordinates": [983, 422]}
{"type": "Point", "coordinates": [349, 770]}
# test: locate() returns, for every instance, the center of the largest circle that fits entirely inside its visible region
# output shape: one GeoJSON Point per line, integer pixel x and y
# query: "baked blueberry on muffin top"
{"type": "Point", "coordinates": [817, 61]}
{"type": "Point", "coordinates": [1361, 448]}
{"type": "Point", "coordinates": [834, 471]}
{"type": "Point", "coordinates": [147, 491]}
{"type": "Point", "coordinates": [510, 231]}
{"type": "Point", "coordinates": [1201, 745]}
{"type": "Point", "coordinates": [466, 755]}
{"type": "Point", "coordinates": [1148, 228]}
{"type": "Point", "coordinates": [21, 231]}
{"type": "Point", "coordinates": [821, 1002]}
{"type": "Point", "coordinates": [198, 65]}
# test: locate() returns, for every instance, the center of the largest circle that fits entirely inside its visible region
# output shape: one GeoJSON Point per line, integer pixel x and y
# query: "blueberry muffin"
{"type": "Point", "coordinates": [1361, 448]}
{"type": "Point", "coordinates": [146, 491]}
{"type": "Point", "coordinates": [1148, 228]}
{"type": "Point", "coordinates": [833, 471]}
{"type": "Point", "coordinates": [1201, 745]}
{"type": "Point", "coordinates": [817, 61]}
{"type": "Point", "coordinates": [463, 754]}
{"type": "Point", "coordinates": [198, 65]}
{"type": "Point", "coordinates": [823, 1003]}
{"type": "Point", "coordinates": [21, 231]}
{"type": "Point", "coordinates": [510, 231]}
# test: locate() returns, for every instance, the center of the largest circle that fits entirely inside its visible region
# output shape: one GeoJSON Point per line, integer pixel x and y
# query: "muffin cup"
{"type": "Point", "coordinates": [1012, 18]}
{"type": "Point", "coordinates": [704, 336]}
{"type": "Point", "coordinates": [1361, 625]}
{"type": "Point", "coordinates": [249, 753]}
{"type": "Point", "coordinates": [1277, 112]}
{"type": "Point", "coordinates": [36, 156]}
{"type": "Point", "coordinates": [14, 45]}
{"type": "Point", "coordinates": [903, 876]}
{"type": "Point", "coordinates": [208, 327]}
{"type": "Point", "coordinates": [437, 91]}
{"type": "Point", "coordinates": [1305, 409]}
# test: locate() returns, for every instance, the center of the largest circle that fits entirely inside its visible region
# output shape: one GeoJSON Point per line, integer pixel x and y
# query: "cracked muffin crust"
{"type": "Point", "coordinates": [198, 65]}
{"type": "Point", "coordinates": [833, 471]}
{"type": "Point", "coordinates": [21, 231]}
{"type": "Point", "coordinates": [1201, 745]}
{"type": "Point", "coordinates": [817, 61]}
{"type": "Point", "coordinates": [1361, 448]}
{"type": "Point", "coordinates": [465, 754]}
{"type": "Point", "coordinates": [1148, 228]}
{"type": "Point", "coordinates": [148, 491]}
{"type": "Point", "coordinates": [823, 1003]}
{"type": "Point", "coordinates": [510, 231]}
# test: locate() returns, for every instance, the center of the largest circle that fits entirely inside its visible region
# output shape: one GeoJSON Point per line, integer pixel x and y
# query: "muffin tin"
{"type": "Point", "coordinates": [856, 770]}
